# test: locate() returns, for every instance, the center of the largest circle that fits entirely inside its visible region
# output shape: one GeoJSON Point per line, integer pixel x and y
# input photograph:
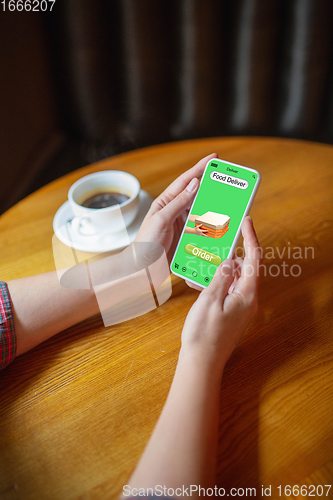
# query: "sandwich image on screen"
{"type": "Point", "coordinates": [216, 225]}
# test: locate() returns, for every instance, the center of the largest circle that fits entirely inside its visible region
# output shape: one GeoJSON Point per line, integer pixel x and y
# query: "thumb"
{"type": "Point", "coordinates": [182, 201]}
{"type": "Point", "coordinates": [222, 280]}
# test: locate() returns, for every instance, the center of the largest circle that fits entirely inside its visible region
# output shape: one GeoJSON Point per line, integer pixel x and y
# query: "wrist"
{"type": "Point", "coordinates": [207, 361]}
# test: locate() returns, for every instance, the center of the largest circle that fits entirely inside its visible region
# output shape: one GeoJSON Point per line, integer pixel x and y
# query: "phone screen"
{"type": "Point", "coordinates": [212, 229]}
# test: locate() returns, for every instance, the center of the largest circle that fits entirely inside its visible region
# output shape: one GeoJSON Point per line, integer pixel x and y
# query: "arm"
{"type": "Point", "coordinates": [182, 448]}
{"type": "Point", "coordinates": [42, 307]}
{"type": "Point", "coordinates": [192, 218]}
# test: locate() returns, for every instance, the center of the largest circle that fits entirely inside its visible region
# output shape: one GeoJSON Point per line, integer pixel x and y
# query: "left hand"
{"type": "Point", "coordinates": [166, 217]}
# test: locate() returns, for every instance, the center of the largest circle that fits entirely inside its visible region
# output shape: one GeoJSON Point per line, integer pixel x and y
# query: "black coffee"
{"type": "Point", "coordinates": [105, 199]}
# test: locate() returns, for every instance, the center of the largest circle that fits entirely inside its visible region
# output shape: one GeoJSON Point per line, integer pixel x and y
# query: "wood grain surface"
{"type": "Point", "coordinates": [77, 411]}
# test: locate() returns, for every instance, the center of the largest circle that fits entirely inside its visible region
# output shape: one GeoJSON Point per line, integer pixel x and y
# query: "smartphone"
{"type": "Point", "coordinates": [213, 226]}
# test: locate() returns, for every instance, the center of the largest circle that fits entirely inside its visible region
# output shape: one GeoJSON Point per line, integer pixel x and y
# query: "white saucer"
{"type": "Point", "coordinates": [95, 243]}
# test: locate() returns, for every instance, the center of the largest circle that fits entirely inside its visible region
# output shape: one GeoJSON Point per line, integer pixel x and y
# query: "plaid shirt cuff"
{"type": "Point", "coordinates": [7, 329]}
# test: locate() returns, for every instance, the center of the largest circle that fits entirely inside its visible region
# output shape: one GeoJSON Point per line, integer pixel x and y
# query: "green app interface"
{"type": "Point", "coordinates": [214, 220]}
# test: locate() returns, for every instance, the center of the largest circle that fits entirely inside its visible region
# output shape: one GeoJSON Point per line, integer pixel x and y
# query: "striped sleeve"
{"type": "Point", "coordinates": [7, 329]}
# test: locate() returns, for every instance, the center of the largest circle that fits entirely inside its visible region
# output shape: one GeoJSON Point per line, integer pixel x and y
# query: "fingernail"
{"type": "Point", "coordinates": [226, 269]}
{"type": "Point", "coordinates": [192, 185]}
{"type": "Point", "coordinates": [250, 219]}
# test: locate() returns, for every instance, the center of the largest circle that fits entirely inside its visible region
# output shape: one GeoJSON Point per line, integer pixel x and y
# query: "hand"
{"type": "Point", "coordinates": [200, 232]}
{"type": "Point", "coordinates": [166, 217]}
{"type": "Point", "coordinates": [222, 312]}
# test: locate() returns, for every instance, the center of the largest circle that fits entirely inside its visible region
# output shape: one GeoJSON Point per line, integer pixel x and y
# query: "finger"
{"type": "Point", "coordinates": [193, 285]}
{"type": "Point", "coordinates": [202, 231]}
{"type": "Point", "coordinates": [175, 207]}
{"type": "Point", "coordinates": [237, 274]}
{"type": "Point", "coordinates": [223, 278]}
{"type": "Point", "coordinates": [239, 265]}
{"type": "Point", "coordinates": [178, 185]}
{"type": "Point", "coordinates": [248, 282]}
{"type": "Point", "coordinates": [231, 287]}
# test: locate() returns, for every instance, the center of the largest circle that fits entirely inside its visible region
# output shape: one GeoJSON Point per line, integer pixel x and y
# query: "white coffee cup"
{"type": "Point", "coordinates": [92, 221]}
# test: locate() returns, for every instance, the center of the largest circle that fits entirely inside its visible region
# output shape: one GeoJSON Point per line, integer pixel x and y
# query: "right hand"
{"type": "Point", "coordinates": [223, 311]}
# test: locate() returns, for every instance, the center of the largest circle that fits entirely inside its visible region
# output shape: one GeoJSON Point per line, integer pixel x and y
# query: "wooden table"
{"type": "Point", "coordinates": [77, 411]}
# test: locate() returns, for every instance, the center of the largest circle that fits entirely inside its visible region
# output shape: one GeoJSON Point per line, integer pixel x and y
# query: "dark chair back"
{"type": "Point", "coordinates": [136, 72]}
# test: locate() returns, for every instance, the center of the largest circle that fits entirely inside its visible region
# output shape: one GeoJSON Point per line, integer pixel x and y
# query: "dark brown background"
{"type": "Point", "coordinates": [94, 78]}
